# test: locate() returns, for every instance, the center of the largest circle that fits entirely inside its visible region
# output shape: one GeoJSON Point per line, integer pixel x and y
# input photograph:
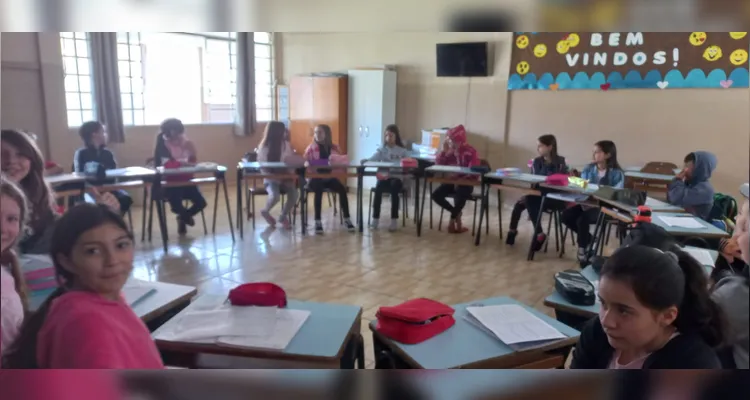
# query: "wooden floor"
{"type": "Point", "coordinates": [374, 269]}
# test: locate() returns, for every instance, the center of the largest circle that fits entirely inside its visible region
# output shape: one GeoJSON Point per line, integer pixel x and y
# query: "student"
{"type": "Point", "coordinates": [456, 151]}
{"type": "Point", "coordinates": [732, 293]}
{"type": "Point", "coordinates": [691, 189]}
{"type": "Point", "coordinates": [548, 163]}
{"type": "Point", "coordinates": [655, 313]}
{"type": "Point", "coordinates": [603, 171]}
{"type": "Point", "coordinates": [322, 148]}
{"type": "Point", "coordinates": [393, 150]}
{"type": "Point", "coordinates": [13, 211]}
{"type": "Point", "coordinates": [274, 148]}
{"type": "Point", "coordinates": [174, 149]}
{"type": "Point", "coordinates": [95, 152]}
{"type": "Point", "coordinates": [86, 323]}
{"type": "Point", "coordinates": [22, 163]}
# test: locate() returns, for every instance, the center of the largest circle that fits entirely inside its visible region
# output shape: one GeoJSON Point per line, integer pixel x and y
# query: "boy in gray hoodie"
{"type": "Point", "coordinates": [691, 188]}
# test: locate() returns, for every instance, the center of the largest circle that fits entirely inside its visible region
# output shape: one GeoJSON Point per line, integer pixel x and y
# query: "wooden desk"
{"type": "Point", "coordinates": [648, 182]}
{"type": "Point", "coordinates": [159, 184]}
{"type": "Point", "coordinates": [707, 232]}
{"type": "Point", "coordinates": [437, 174]}
{"type": "Point", "coordinates": [523, 184]}
{"type": "Point", "coordinates": [466, 346]}
{"type": "Point", "coordinates": [263, 170]}
{"type": "Point", "coordinates": [166, 299]}
{"type": "Point", "coordinates": [330, 338]}
{"type": "Point", "coordinates": [655, 205]}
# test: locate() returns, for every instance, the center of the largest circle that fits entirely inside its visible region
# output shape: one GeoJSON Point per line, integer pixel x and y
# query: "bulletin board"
{"type": "Point", "coordinates": [629, 60]}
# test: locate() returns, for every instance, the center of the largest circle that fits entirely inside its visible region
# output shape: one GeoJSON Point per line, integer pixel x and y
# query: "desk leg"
{"type": "Point", "coordinates": [482, 210]}
{"type": "Point", "coordinates": [158, 192]}
{"type": "Point", "coordinates": [240, 225]}
{"type": "Point", "coordinates": [499, 212]}
{"type": "Point", "coordinates": [302, 202]}
{"type": "Point", "coordinates": [143, 217]}
{"type": "Point", "coordinates": [537, 224]}
{"type": "Point", "coordinates": [216, 207]}
{"type": "Point", "coordinates": [416, 198]}
{"type": "Point", "coordinates": [421, 211]}
{"type": "Point", "coordinates": [229, 209]}
{"type": "Point", "coordinates": [360, 207]}
{"type": "Point", "coordinates": [592, 247]}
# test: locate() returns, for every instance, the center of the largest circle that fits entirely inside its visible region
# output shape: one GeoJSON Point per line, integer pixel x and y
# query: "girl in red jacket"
{"type": "Point", "coordinates": [456, 151]}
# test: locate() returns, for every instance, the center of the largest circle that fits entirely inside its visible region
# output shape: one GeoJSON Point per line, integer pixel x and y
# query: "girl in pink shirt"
{"type": "Point", "coordinates": [86, 323]}
{"type": "Point", "coordinates": [12, 288]}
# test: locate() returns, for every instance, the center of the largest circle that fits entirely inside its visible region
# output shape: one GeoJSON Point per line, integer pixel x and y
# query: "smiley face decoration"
{"type": "Point", "coordinates": [624, 60]}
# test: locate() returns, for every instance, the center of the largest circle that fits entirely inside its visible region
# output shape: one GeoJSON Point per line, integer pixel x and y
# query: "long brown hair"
{"type": "Point", "coordinates": [8, 256]}
{"type": "Point", "coordinates": [38, 193]}
{"type": "Point", "coordinates": [328, 142]}
{"type": "Point", "coordinates": [274, 137]}
{"type": "Point", "coordinates": [68, 229]}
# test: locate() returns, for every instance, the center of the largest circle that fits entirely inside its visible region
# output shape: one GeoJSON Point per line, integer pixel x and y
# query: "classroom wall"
{"type": "Point", "coordinates": [32, 98]}
{"type": "Point", "coordinates": [647, 125]}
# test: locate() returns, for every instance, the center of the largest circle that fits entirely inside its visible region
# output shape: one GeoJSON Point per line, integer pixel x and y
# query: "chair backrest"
{"type": "Point", "coordinates": [659, 167]}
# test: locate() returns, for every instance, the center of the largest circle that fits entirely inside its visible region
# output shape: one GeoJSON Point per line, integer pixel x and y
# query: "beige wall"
{"type": "Point", "coordinates": [32, 98]}
{"type": "Point", "coordinates": [647, 125]}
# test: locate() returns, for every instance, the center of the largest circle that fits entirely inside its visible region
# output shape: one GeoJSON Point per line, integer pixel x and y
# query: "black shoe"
{"type": "Point", "coordinates": [349, 226]}
{"type": "Point", "coordinates": [181, 228]}
{"type": "Point", "coordinates": [510, 239]}
{"type": "Point", "coordinates": [318, 228]}
{"type": "Point", "coordinates": [189, 221]}
{"type": "Point", "coordinates": [539, 241]}
{"type": "Point", "coordinates": [583, 257]}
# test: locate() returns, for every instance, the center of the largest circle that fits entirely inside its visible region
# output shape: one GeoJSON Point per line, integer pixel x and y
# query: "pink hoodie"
{"type": "Point", "coordinates": [11, 313]}
{"type": "Point", "coordinates": [85, 330]}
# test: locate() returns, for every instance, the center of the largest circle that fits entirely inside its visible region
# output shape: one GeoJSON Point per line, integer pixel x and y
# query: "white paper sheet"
{"type": "Point", "coordinates": [251, 327]}
{"type": "Point", "coordinates": [703, 256]}
{"type": "Point", "coordinates": [137, 293]}
{"type": "Point", "coordinates": [287, 324]}
{"type": "Point", "coordinates": [682, 222]}
{"type": "Point", "coordinates": [514, 324]}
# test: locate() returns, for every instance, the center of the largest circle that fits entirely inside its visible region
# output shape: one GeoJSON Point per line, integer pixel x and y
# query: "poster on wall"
{"type": "Point", "coordinates": [628, 60]}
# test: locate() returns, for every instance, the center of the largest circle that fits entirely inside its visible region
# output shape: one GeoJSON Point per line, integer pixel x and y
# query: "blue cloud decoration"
{"type": "Point", "coordinates": [696, 78]}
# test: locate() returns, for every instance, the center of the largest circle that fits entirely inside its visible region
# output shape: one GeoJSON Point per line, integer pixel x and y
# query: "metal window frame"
{"type": "Point", "coordinates": [75, 38]}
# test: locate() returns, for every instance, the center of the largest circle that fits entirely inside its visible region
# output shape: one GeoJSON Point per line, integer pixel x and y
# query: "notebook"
{"type": "Point", "coordinates": [514, 325]}
{"type": "Point", "coordinates": [703, 256]}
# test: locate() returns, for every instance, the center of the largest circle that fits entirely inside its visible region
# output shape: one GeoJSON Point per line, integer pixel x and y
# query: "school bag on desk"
{"type": "Point", "coordinates": [414, 321]}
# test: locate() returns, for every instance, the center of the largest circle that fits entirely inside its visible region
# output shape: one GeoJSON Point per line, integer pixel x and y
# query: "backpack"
{"type": "Point", "coordinates": [724, 209]}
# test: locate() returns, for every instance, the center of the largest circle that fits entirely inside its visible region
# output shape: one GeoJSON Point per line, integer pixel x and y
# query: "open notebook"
{"type": "Point", "coordinates": [268, 328]}
{"type": "Point", "coordinates": [513, 325]}
{"type": "Point", "coordinates": [135, 292]}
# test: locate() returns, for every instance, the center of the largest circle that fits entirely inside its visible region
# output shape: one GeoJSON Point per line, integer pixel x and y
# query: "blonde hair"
{"type": "Point", "coordinates": [8, 256]}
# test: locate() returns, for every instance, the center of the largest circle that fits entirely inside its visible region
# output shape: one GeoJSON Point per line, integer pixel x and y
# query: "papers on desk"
{"type": "Point", "coordinates": [135, 292]}
{"type": "Point", "coordinates": [703, 256]}
{"type": "Point", "coordinates": [513, 324]}
{"type": "Point", "coordinates": [682, 222]}
{"type": "Point", "coordinates": [246, 327]}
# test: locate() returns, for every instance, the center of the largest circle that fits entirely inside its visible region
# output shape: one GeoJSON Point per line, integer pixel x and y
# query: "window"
{"type": "Point", "coordinates": [130, 69]}
{"type": "Point", "coordinates": [264, 85]}
{"type": "Point", "coordinates": [190, 76]}
{"type": "Point", "coordinates": [79, 97]}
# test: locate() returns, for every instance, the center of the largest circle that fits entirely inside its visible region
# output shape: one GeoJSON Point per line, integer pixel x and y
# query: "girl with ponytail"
{"type": "Point", "coordinates": [656, 313]}
{"type": "Point", "coordinates": [86, 323]}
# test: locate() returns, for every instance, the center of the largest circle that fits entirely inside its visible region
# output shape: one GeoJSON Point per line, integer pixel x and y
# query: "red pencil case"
{"type": "Point", "coordinates": [264, 294]}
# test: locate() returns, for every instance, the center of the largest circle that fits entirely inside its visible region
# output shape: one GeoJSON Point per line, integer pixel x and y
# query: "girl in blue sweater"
{"type": "Point", "coordinates": [603, 171]}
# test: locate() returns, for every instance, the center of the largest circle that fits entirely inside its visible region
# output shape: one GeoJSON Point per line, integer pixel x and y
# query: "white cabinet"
{"type": "Point", "coordinates": [372, 107]}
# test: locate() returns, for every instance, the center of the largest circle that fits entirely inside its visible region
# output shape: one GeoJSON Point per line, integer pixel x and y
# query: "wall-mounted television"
{"type": "Point", "coordinates": [462, 59]}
